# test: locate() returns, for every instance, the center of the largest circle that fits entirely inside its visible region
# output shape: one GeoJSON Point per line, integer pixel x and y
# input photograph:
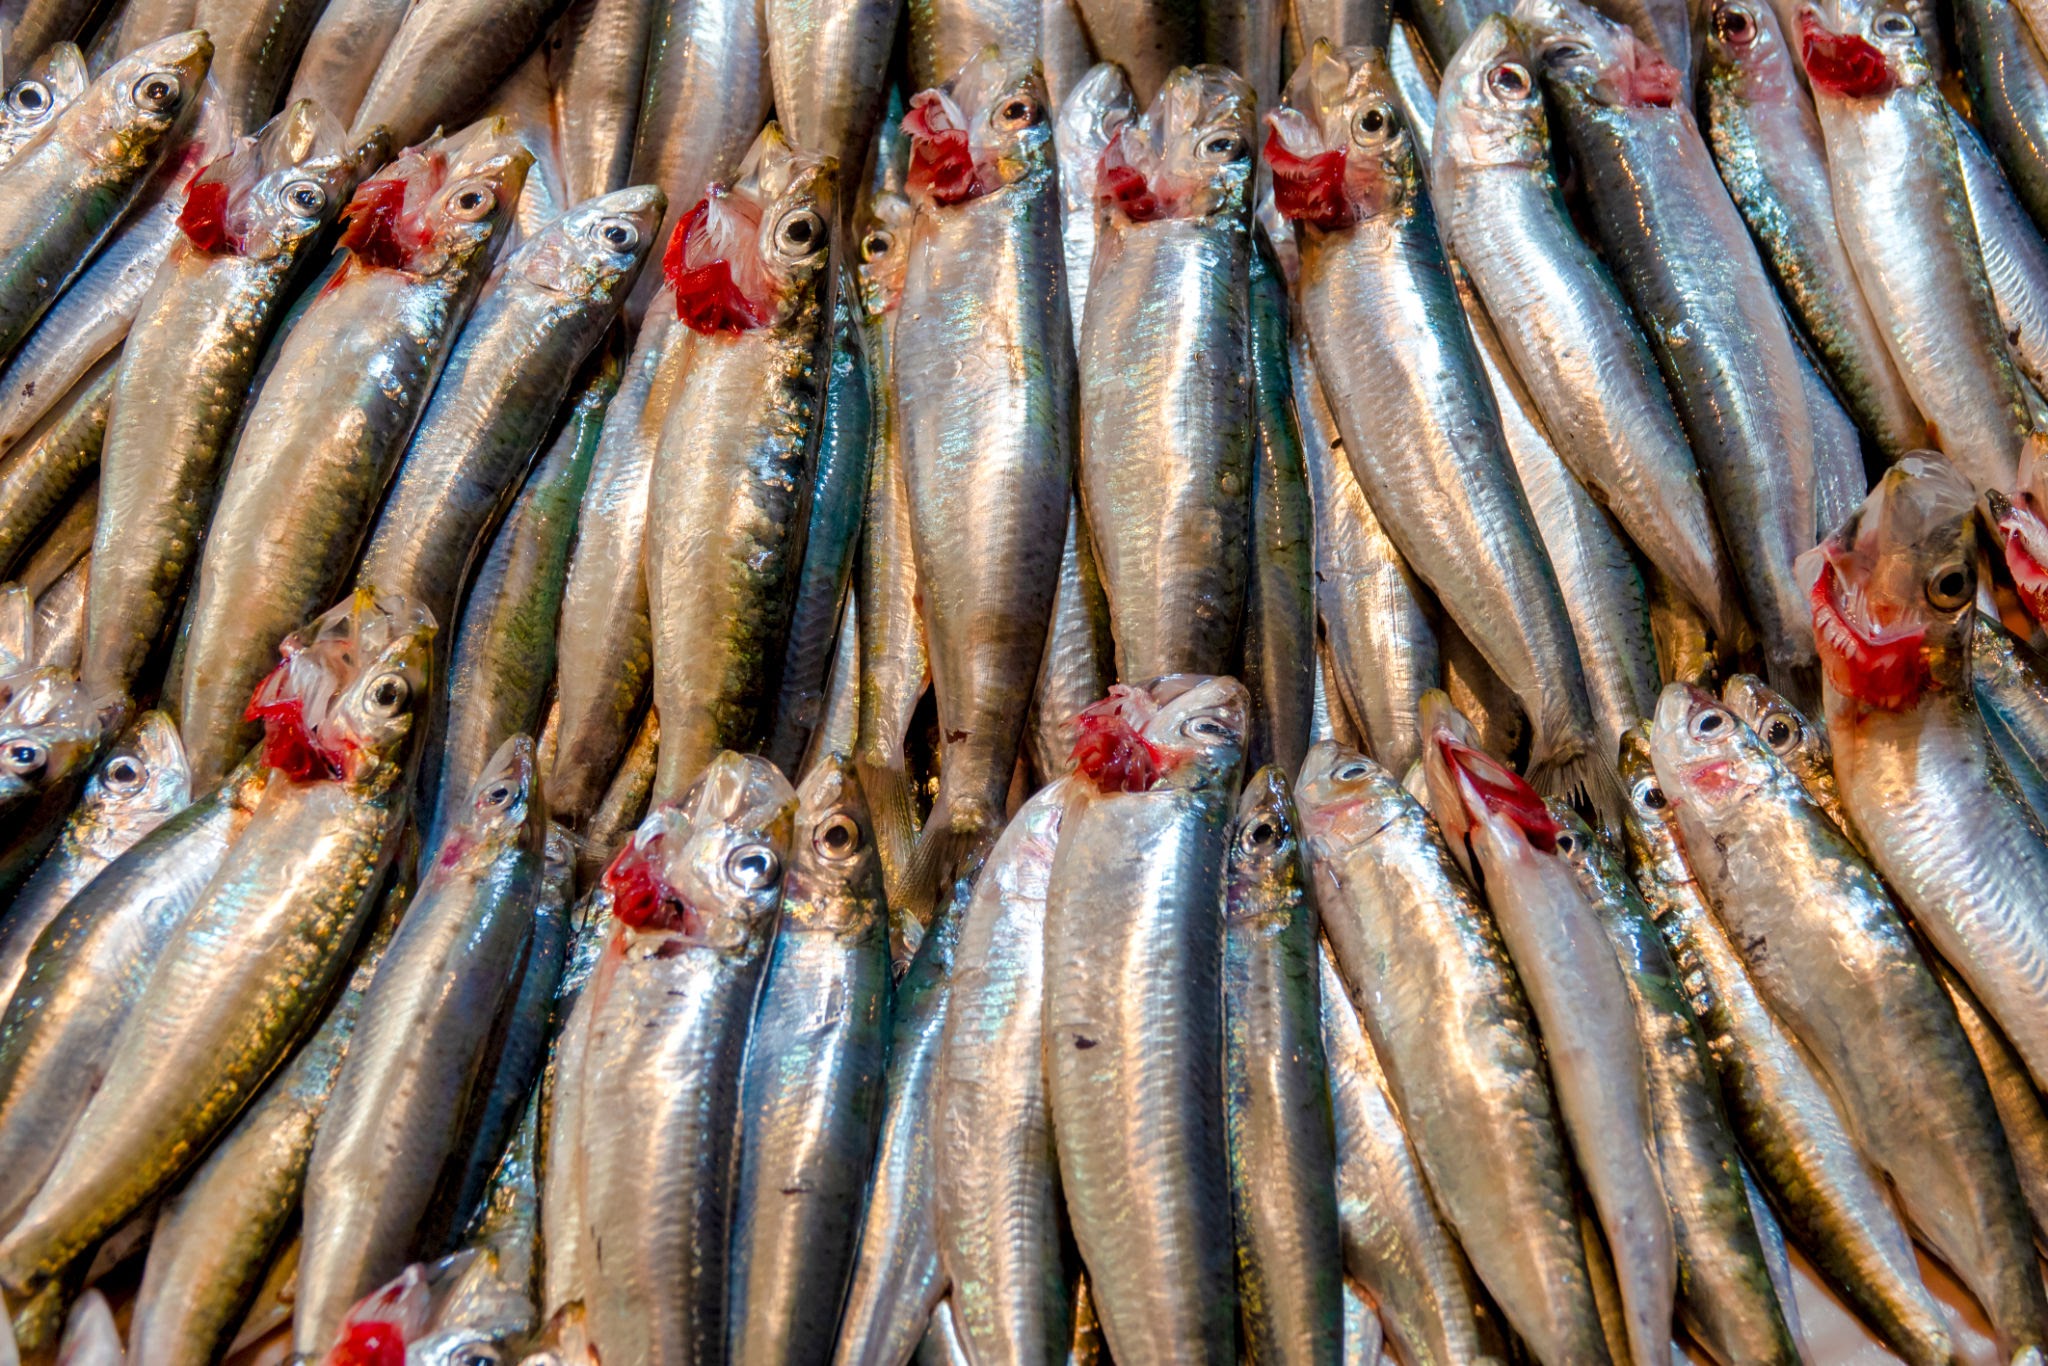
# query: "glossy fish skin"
{"type": "Point", "coordinates": [839, 487]}
{"type": "Point", "coordinates": [67, 541]}
{"type": "Point", "coordinates": [88, 969]}
{"type": "Point", "coordinates": [1914, 761]}
{"type": "Point", "coordinates": [1416, 949]}
{"type": "Point", "coordinates": [1905, 219]}
{"type": "Point", "coordinates": [595, 61]}
{"type": "Point", "coordinates": [1079, 663]}
{"type": "Point", "coordinates": [1582, 1002]}
{"type": "Point", "coordinates": [31, 27]}
{"type": "Point", "coordinates": [180, 386]}
{"type": "Point", "coordinates": [1097, 107]}
{"type": "Point", "coordinates": [1686, 262]}
{"type": "Point", "coordinates": [526, 101]}
{"type": "Point", "coordinates": [1845, 976]}
{"type": "Point", "coordinates": [413, 1068]}
{"type": "Point", "coordinates": [705, 95]}
{"type": "Point", "coordinates": [811, 1096]}
{"type": "Point", "coordinates": [1564, 323]}
{"type": "Point", "coordinates": [625, 800]}
{"type": "Point", "coordinates": [1147, 38]}
{"type": "Point", "coordinates": [50, 732]}
{"type": "Point", "coordinates": [2013, 1093]}
{"type": "Point", "coordinates": [343, 52]}
{"type": "Point", "coordinates": [321, 437]}
{"type": "Point", "coordinates": [996, 1180]}
{"type": "Point", "coordinates": [982, 399]}
{"type": "Point", "coordinates": [1766, 138]}
{"type": "Point", "coordinates": [1283, 1156]}
{"type": "Point", "coordinates": [2015, 257]}
{"type": "Point", "coordinates": [1376, 619]}
{"type": "Point", "coordinates": [1395, 1242]}
{"type": "Point", "coordinates": [1404, 380]}
{"type": "Point", "coordinates": [443, 61]}
{"type": "Point", "coordinates": [1830, 1201]}
{"type": "Point", "coordinates": [828, 68]}
{"type": "Point", "coordinates": [256, 45]}
{"type": "Point", "coordinates": [640, 1150]}
{"type": "Point", "coordinates": [1999, 53]}
{"type": "Point", "coordinates": [218, 1234]}
{"type": "Point", "coordinates": [1726, 1297]}
{"type": "Point", "coordinates": [945, 35]}
{"type": "Point", "coordinates": [520, 349]}
{"type": "Point", "coordinates": [67, 190]}
{"type": "Point", "coordinates": [142, 782]}
{"type": "Point", "coordinates": [604, 650]}
{"type": "Point", "coordinates": [729, 491]}
{"type": "Point", "coordinates": [492, 1301]}
{"type": "Point", "coordinates": [1134, 1022]}
{"type": "Point", "coordinates": [53, 83]}
{"type": "Point", "coordinates": [60, 618]}
{"type": "Point", "coordinates": [1165, 458]}
{"type": "Point", "coordinates": [2011, 686]}
{"type": "Point", "coordinates": [240, 978]}
{"type": "Point", "coordinates": [1345, 23]}
{"type": "Point", "coordinates": [505, 650]}
{"type": "Point", "coordinates": [39, 475]}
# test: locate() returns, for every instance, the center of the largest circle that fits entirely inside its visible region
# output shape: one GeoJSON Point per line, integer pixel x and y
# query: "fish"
{"type": "Point", "coordinates": [996, 1181]}
{"type": "Point", "coordinates": [2015, 257]}
{"type": "Point", "coordinates": [1416, 951]}
{"type": "Point", "coordinates": [811, 1093]}
{"type": "Point", "coordinates": [319, 442]}
{"type": "Point", "coordinates": [1380, 640]}
{"type": "Point", "coordinates": [1800, 744]}
{"type": "Point", "coordinates": [651, 1103]}
{"type": "Point", "coordinates": [525, 100]}
{"type": "Point", "coordinates": [1726, 1297]}
{"type": "Point", "coordinates": [727, 497]}
{"type": "Point", "coordinates": [1766, 140]}
{"type": "Point", "coordinates": [395, 1118]}
{"type": "Point", "coordinates": [1284, 1168]}
{"type": "Point", "coordinates": [443, 60]}
{"type": "Point", "coordinates": [1998, 55]}
{"type": "Point", "coordinates": [504, 653]}
{"type": "Point", "coordinates": [1165, 455]}
{"type": "Point", "coordinates": [50, 734]}
{"type": "Point", "coordinates": [945, 35]}
{"type": "Point", "coordinates": [828, 70]}
{"type": "Point", "coordinates": [625, 801]}
{"type": "Point", "coordinates": [1582, 1004]}
{"type": "Point", "coordinates": [1904, 216]}
{"type": "Point", "coordinates": [2011, 685]}
{"type": "Point", "coordinates": [249, 222]}
{"type": "Point", "coordinates": [247, 968]}
{"type": "Point", "coordinates": [66, 541]}
{"type": "Point", "coordinates": [1099, 105]}
{"type": "Point", "coordinates": [343, 53]}
{"type": "Point", "coordinates": [68, 188]}
{"type": "Point", "coordinates": [2013, 1094]}
{"type": "Point", "coordinates": [1079, 663]}
{"type": "Point", "coordinates": [1420, 428]}
{"type": "Point", "coordinates": [256, 45]}
{"type": "Point", "coordinates": [40, 474]}
{"type": "Point", "coordinates": [86, 971]}
{"type": "Point", "coordinates": [1685, 261]}
{"type": "Point", "coordinates": [595, 60]}
{"type": "Point", "coordinates": [1250, 38]}
{"type": "Point", "coordinates": [60, 618]}
{"type": "Point", "coordinates": [1133, 953]}
{"type": "Point", "coordinates": [144, 22]}
{"type": "Point", "coordinates": [30, 28]}
{"type": "Point", "coordinates": [142, 782]}
{"type": "Point", "coordinates": [982, 399]}
{"type": "Point", "coordinates": [1346, 23]}
{"type": "Point", "coordinates": [543, 313]}
{"type": "Point", "coordinates": [53, 83]}
{"type": "Point", "coordinates": [488, 1300]}
{"type": "Point", "coordinates": [1831, 955]}
{"type": "Point", "coordinates": [1149, 39]}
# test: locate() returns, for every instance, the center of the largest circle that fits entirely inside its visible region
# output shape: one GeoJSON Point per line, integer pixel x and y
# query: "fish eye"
{"type": "Point", "coordinates": [1510, 81]}
{"type": "Point", "coordinates": [1949, 587]}
{"type": "Point", "coordinates": [1350, 771]}
{"type": "Point", "coordinates": [1651, 797]}
{"type": "Point", "coordinates": [838, 837]}
{"type": "Point", "coordinates": [498, 795]}
{"type": "Point", "coordinates": [1567, 842]}
{"type": "Point", "coordinates": [122, 774]}
{"type": "Point", "coordinates": [389, 694]}
{"type": "Point", "coordinates": [1711, 724]}
{"type": "Point", "coordinates": [1564, 52]}
{"type": "Point", "coordinates": [876, 244]}
{"type": "Point", "coordinates": [1781, 733]}
{"type": "Point", "coordinates": [22, 757]}
{"type": "Point", "coordinates": [752, 866]}
{"type": "Point", "coordinates": [1735, 24]}
{"type": "Point", "coordinates": [1259, 836]}
{"type": "Point", "coordinates": [158, 91]}
{"type": "Point", "coordinates": [1206, 728]}
{"type": "Point", "coordinates": [475, 1354]}
{"type": "Point", "coordinates": [307, 197]}
{"type": "Point", "coordinates": [617, 234]}
{"type": "Point", "coordinates": [1895, 24]}
{"type": "Point", "coordinates": [29, 100]}
{"type": "Point", "coordinates": [1019, 111]}
{"type": "Point", "coordinates": [1223, 147]}
{"type": "Point", "coordinates": [1373, 124]}
{"type": "Point", "coordinates": [801, 232]}
{"type": "Point", "coordinates": [471, 202]}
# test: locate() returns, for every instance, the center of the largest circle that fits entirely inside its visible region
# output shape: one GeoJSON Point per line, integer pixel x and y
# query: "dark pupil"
{"type": "Point", "coordinates": [837, 837]}
{"type": "Point", "coordinates": [1262, 833]}
{"type": "Point", "coordinates": [23, 755]}
{"type": "Point", "coordinates": [1509, 80]}
{"type": "Point", "coordinates": [615, 235]}
{"type": "Point", "coordinates": [1951, 583]}
{"type": "Point", "coordinates": [1779, 733]}
{"type": "Point", "coordinates": [387, 693]}
{"type": "Point", "coordinates": [1373, 121]}
{"type": "Point", "coordinates": [156, 90]}
{"type": "Point", "coordinates": [469, 199]}
{"type": "Point", "coordinates": [1655, 799]}
{"type": "Point", "coordinates": [29, 97]}
{"type": "Point", "coordinates": [498, 796]}
{"type": "Point", "coordinates": [1016, 110]}
{"type": "Point", "coordinates": [122, 772]}
{"type": "Point", "coordinates": [753, 865]}
{"type": "Point", "coordinates": [1710, 723]}
{"type": "Point", "coordinates": [877, 243]}
{"type": "Point", "coordinates": [800, 231]}
{"type": "Point", "coordinates": [1564, 844]}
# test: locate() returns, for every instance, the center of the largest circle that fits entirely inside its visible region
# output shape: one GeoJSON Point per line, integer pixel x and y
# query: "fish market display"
{"type": "Point", "coordinates": [1023, 682]}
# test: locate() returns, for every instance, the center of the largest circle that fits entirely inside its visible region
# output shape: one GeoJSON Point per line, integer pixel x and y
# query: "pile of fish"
{"type": "Point", "coordinates": [1040, 681]}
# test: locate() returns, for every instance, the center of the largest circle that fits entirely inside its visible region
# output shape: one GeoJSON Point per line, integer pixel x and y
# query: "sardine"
{"type": "Point", "coordinates": [40, 474]}
{"type": "Point", "coordinates": [1147, 38]}
{"type": "Point", "coordinates": [1800, 744]}
{"type": "Point", "coordinates": [443, 60]}
{"type": "Point", "coordinates": [343, 53]}
{"type": "Point", "coordinates": [53, 83]}
{"type": "Point", "coordinates": [2015, 257]}
{"type": "Point", "coordinates": [525, 100]}
{"type": "Point", "coordinates": [1099, 105]}
{"type": "Point", "coordinates": [625, 800]}
{"type": "Point", "coordinates": [828, 66]}
{"type": "Point", "coordinates": [142, 22]}
{"type": "Point", "coordinates": [2011, 685]}
{"type": "Point", "coordinates": [596, 60]}
{"type": "Point", "coordinates": [60, 618]}
{"type": "Point", "coordinates": [1079, 663]}
{"type": "Point", "coordinates": [256, 45]}
{"type": "Point", "coordinates": [1999, 54]}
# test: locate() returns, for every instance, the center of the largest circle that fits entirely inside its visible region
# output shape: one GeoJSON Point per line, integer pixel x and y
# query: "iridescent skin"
{"type": "Point", "coordinates": [2015, 257]}
{"type": "Point", "coordinates": [40, 474]}
{"type": "Point", "coordinates": [595, 67]}
{"type": "Point", "coordinates": [2000, 56]}
{"type": "Point", "coordinates": [443, 60]}
{"type": "Point", "coordinates": [828, 67]}
{"type": "Point", "coordinates": [343, 53]}
{"type": "Point", "coordinates": [256, 45]}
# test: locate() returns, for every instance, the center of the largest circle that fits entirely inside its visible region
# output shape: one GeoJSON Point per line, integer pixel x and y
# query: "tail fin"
{"type": "Point", "coordinates": [1588, 784]}
{"type": "Point", "coordinates": [893, 807]}
{"type": "Point", "coordinates": [943, 848]}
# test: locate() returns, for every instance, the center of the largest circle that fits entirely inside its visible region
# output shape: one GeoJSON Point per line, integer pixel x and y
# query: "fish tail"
{"type": "Point", "coordinates": [1589, 785]}
{"type": "Point", "coordinates": [893, 807]}
{"type": "Point", "coordinates": [946, 848]}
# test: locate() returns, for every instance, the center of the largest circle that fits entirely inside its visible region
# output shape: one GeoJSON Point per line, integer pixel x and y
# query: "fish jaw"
{"type": "Point", "coordinates": [1179, 730]}
{"type": "Point", "coordinates": [1188, 157]}
{"type": "Point", "coordinates": [1880, 668]}
{"type": "Point", "coordinates": [1843, 64]}
{"type": "Point", "coordinates": [2023, 536]}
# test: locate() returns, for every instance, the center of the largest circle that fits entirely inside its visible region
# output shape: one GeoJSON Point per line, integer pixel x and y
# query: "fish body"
{"type": "Point", "coordinates": [595, 64]}
{"type": "Point", "coordinates": [40, 474]}
{"type": "Point", "coordinates": [2015, 256]}
{"type": "Point", "coordinates": [256, 45]}
{"type": "Point", "coordinates": [2001, 62]}
{"type": "Point", "coordinates": [1092, 113]}
{"type": "Point", "coordinates": [1147, 38]}
{"type": "Point", "coordinates": [827, 65]}
{"type": "Point", "coordinates": [442, 62]}
{"type": "Point", "coordinates": [343, 53]}
{"type": "Point", "coordinates": [1079, 663]}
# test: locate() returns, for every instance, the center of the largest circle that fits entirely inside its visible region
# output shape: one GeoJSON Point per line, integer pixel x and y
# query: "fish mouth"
{"type": "Point", "coordinates": [1883, 667]}
{"type": "Point", "coordinates": [1486, 786]}
{"type": "Point", "coordinates": [942, 164]}
{"type": "Point", "coordinates": [2023, 535]}
{"type": "Point", "coordinates": [289, 744]}
{"type": "Point", "coordinates": [708, 297]}
{"type": "Point", "coordinates": [1307, 187]}
{"type": "Point", "coordinates": [1125, 184]}
{"type": "Point", "coordinates": [1844, 64]}
{"type": "Point", "coordinates": [1649, 82]}
{"type": "Point", "coordinates": [1110, 748]}
{"type": "Point", "coordinates": [641, 898]}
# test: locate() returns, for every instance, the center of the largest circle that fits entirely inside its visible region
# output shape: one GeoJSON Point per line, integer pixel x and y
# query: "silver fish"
{"type": "Point", "coordinates": [256, 45]}
{"type": "Point", "coordinates": [33, 100]}
{"type": "Point", "coordinates": [596, 60]}
{"type": "Point", "coordinates": [828, 68]}
{"type": "Point", "coordinates": [1099, 105]}
{"type": "Point", "coordinates": [443, 60]}
{"type": "Point", "coordinates": [343, 53]}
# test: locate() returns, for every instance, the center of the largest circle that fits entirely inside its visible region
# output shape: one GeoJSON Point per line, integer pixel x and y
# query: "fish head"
{"type": "Point", "coordinates": [1744, 45]}
{"type": "Point", "coordinates": [1099, 105]}
{"type": "Point", "coordinates": [1344, 797]}
{"type": "Point", "coordinates": [53, 83]}
{"type": "Point", "coordinates": [834, 879]}
{"type": "Point", "coordinates": [49, 731]}
{"type": "Point", "coordinates": [708, 869]}
{"type": "Point", "coordinates": [986, 128]}
{"type": "Point", "coordinates": [596, 249]}
{"type": "Point", "coordinates": [391, 1325]}
{"type": "Point", "coordinates": [341, 703]}
{"type": "Point", "coordinates": [1589, 59]}
{"type": "Point", "coordinates": [1190, 156]}
{"type": "Point", "coordinates": [1471, 792]}
{"type": "Point", "coordinates": [440, 206]}
{"type": "Point", "coordinates": [1893, 591]}
{"type": "Point", "coordinates": [1183, 730]}
{"type": "Point", "coordinates": [504, 810]}
{"type": "Point", "coordinates": [137, 102]}
{"type": "Point", "coordinates": [1706, 759]}
{"type": "Point", "coordinates": [1339, 149]}
{"type": "Point", "coordinates": [882, 232]}
{"type": "Point", "coordinates": [1648, 820]}
{"type": "Point", "coordinates": [565, 1341]}
{"type": "Point", "coordinates": [1861, 49]}
{"type": "Point", "coordinates": [1799, 744]}
{"type": "Point", "coordinates": [2019, 521]}
{"type": "Point", "coordinates": [1265, 871]}
{"type": "Point", "coordinates": [748, 255]}
{"type": "Point", "coordinates": [143, 780]}
{"type": "Point", "coordinates": [1489, 110]}
{"type": "Point", "coordinates": [1592, 860]}
{"type": "Point", "coordinates": [273, 192]}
